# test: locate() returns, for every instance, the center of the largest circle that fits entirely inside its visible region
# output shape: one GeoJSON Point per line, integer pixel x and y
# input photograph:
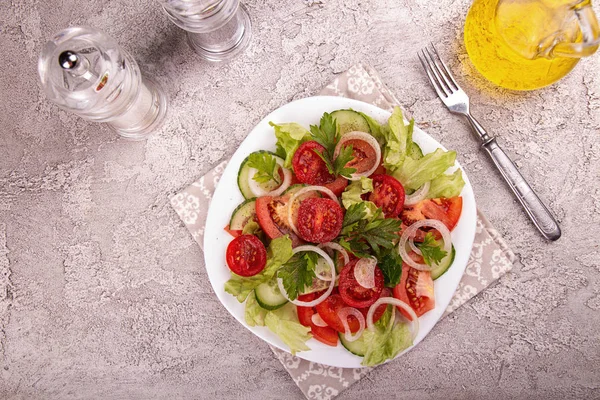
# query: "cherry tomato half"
{"type": "Point", "coordinates": [309, 167]}
{"type": "Point", "coordinates": [319, 220]}
{"type": "Point", "coordinates": [353, 293]}
{"type": "Point", "coordinates": [388, 194]}
{"type": "Point", "coordinates": [246, 255]}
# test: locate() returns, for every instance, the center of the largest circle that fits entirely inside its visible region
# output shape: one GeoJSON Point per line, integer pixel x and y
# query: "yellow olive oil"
{"type": "Point", "coordinates": [510, 41]}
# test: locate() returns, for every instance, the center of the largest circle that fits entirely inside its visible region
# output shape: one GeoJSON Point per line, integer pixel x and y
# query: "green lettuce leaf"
{"type": "Point", "coordinates": [414, 173]}
{"type": "Point", "coordinates": [447, 185]}
{"type": "Point", "coordinates": [254, 313]}
{"type": "Point", "coordinates": [386, 341]}
{"type": "Point", "coordinates": [398, 139]}
{"type": "Point", "coordinates": [353, 192]}
{"type": "Point", "coordinates": [278, 253]}
{"type": "Point", "coordinates": [284, 323]}
{"type": "Point", "coordinates": [250, 228]}
{"type": "Point", "coordinates": [289, 137]}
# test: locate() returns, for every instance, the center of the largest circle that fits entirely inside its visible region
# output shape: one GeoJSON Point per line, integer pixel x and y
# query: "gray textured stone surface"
{"type": "Point", "coordinates": [103, 293]}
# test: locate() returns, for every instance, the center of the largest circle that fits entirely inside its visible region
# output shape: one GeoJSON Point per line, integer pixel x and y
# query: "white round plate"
{"type": "Point", "coordinates": [227, 196]}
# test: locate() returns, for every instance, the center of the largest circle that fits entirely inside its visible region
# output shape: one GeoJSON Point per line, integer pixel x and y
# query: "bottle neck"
{"type": "Point", "coordinates": [200, 16]}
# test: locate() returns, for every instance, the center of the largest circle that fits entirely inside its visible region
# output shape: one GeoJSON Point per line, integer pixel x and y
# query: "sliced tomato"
{"type": "Point", "coordinates": [353, 293]}
{"type": "Point", "coordinates": [265, 220]}
{"type": "Point", "coordinates": [246, 255]}
{"type": "Point", "coordinates": [323, 334]}
{"type": "Point", "coordinates": [386, 292]}
{"type": "Point", "coordinates": [328, 310]}
{"type": "Point", "coordinates": [319, 220]}
{"type": "Point", "coordinates": [271, 213]}
{"type": "Point", "coordinates": [337, 186]}
{"type": "Point", "coordinates": [364, 157]}
{"type": "Point", "coordinates": [309, 167]}
{"type": "Point", "coordinates": [415, 289]}
{"type": "Point", "coordinates": [388, 194]}
{"type": "Point", "coordinates": [447, 210]}
{"type": "Point", "coordinates": [233, 232]}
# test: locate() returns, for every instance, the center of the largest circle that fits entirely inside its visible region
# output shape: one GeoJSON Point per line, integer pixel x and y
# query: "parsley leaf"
{"type": "Point", "coordinates": [298, 273]}
{"type": "Point", "coordinates": [431, 249]}
{"type": "Point", "coordinates": [391, 266]}
{"type": "Point", "coordinates": [327, 135]}
{"type": "Point", "coordinates": [381, 232]}
{"type": "Point", "coordinates": [360, 235]}
{"type": "Point", "coordinates": [339, 164]}
{"type": "Point", "coordinates": [354, 213]}
{"type": "Point", "coordinates": [266, 167]}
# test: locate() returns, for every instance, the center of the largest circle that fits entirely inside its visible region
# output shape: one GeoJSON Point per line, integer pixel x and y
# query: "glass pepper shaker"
{"type": "Point", "coordinates": [217, 30]}
{"type": "Point", "coordinates": [85, 71]}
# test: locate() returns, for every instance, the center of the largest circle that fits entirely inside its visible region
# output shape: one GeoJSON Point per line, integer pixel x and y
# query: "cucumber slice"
{"type": "Point", "coordinates": [268, 295]}
{"type": "Point", "coordinates": [242, 214]}
{"type": "Point", "coordinates": [350, 120]}
{"type": "Point", "coordinates": [244, 172]}
{"type": "Point", "coordinates": [443, 267]}
{"type": "Point", "coordinates": [294, 188]}
{"type": "Point", "coordinates": [357, 347]}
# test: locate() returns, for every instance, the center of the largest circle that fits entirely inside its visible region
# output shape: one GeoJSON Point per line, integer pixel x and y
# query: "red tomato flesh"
{"type": "Point", "coordinates": [323, 334]}
{"type": "Point", "coordinates": [246, 255]}
{"type": "Point", "coordinates": [233, 232]}
{"type": "Point", "coordinates": [353, 293]}
{"type": "Point", "coordinates": [328, 310]}
{"type": "Point", "coordinates": [364, 155]}
{"type": "Point", "coordinates": [388, 194]}
{"type": "Point", "coordinates": [337, 186]}
{"type": "Point", "coordinates": [416, 290]}
{"type": "Point", "coordinates": [446, 210]}
{"type": "Point", "coordinates": [309, 167]}
{"type": "Point", "coordinates": [319, 220]}
{"type": "Point", "coordinates": [271, 213]}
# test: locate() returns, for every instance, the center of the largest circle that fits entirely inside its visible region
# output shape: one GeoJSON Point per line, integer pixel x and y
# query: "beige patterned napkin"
{"type": "Point", "coordinates": [489, 259]}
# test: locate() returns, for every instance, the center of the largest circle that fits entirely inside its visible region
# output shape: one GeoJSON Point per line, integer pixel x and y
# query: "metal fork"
{"type": "Point", "coordinates": [457, 101]}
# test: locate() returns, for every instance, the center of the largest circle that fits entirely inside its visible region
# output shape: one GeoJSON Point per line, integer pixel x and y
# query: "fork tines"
{"type": "Point", "coordinates": [440, 76]}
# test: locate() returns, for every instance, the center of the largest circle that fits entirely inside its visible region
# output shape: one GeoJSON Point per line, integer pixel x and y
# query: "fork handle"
{"type": "Point", "coordinates": [537, 211]}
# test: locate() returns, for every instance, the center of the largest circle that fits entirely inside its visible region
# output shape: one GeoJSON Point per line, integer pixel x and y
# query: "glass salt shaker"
{"type": "Point", "coordinates": [218, 30]}
{"type": "Point", "coordinates": [85, 71]}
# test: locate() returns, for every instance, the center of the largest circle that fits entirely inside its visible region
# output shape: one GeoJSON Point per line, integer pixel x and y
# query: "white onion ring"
{"type": "Point", "coordinates": [300, 192]}
{"type": "Point", "coordinates": [364, 272]}
{"type": "Point", "coordinates": [343, 314]}
{"type": "Point", "coordinates": [320, 299]}
{"type": "Point", "coordinates": [370, 140]}
{"type": "Point", "coordinates": [411, 230]}
{"type": "Point", "coordinates": [413, 247]}
{"type": "Point", "coordinates": [399, 303]}
{"type": "Point", "coordinates": [317, 320]}
{"type": "Point", "coordinates": [337, 247]}
{"type": "Point", "coordinates": [418, 195]}
{"type": "Point", "coordinates": [258, 191]}
{"type": "Point", "coordinates": [321, 274]}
